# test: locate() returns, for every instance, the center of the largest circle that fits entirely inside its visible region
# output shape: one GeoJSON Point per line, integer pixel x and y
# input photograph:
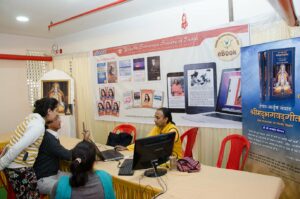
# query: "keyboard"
{"type": "Point", "coordinates": [126, 168]}
{"type": "Point", "coordinates": [225, 116]}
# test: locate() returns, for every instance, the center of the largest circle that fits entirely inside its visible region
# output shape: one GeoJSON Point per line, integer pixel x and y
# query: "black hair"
{"type": "Point", "coordinates": [167, 113]}
{"type": "Point", "coordinates": [41, 106]}
{"type": "Point", "coordinates": [83, 158]}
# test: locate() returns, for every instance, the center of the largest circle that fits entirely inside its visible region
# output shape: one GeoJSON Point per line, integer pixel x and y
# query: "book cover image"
{"type": "Point", "coordinates": [112, 72]}
{"type": "Point", "coordinates": [101, 73]}
{"type": "Point", "coordinates": [282, 65]}
{"type": "Point", "coordinates": [153, 64]}
{"type": "Point", "coordinates": [147, 98]}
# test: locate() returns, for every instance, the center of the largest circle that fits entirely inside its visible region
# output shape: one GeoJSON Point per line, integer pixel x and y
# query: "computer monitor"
{"type": "Point", "coordinates": [152, 151]}
{"type": "Point", "coordinates": [229, 98]}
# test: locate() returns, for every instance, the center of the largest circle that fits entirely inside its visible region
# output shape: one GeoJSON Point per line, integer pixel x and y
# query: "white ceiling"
{"type": "Point", "coordinates": [42, 12]}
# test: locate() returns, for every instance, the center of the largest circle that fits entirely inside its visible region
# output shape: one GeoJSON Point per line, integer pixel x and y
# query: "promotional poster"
{"type": "Point", "coordinates": [271, 110]}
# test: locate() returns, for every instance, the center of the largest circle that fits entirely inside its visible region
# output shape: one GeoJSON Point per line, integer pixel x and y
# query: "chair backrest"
{"type": "Point", "coordinates": [191, 137]}
{"type": "Point", "coordinates": [126, 128]}
{"type": "Point", "coordinates": [239, 149]}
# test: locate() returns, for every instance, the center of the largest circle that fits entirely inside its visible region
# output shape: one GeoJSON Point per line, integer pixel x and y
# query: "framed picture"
{"type": "Point", "coordinates": [60, 90]}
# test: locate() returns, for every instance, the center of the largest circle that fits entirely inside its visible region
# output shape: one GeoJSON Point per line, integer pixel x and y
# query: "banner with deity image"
{"type": "Point", "coordinates": [271, 110]}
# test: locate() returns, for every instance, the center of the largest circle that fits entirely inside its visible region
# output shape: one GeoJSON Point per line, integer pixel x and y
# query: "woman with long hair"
{"type": "Point", "coordinates": [84, 182]}
{"type": "Point", "coordinates": [23, 148]}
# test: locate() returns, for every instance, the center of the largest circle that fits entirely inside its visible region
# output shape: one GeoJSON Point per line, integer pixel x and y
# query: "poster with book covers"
{"type": "Point", "coordinates": [271, 110]}
{"type": "Point", "coordinates": [153, 66]}
{"type": "Point", "coordinates": [146, 98]}
{"type": "Point", "coordinates": [145, 65]}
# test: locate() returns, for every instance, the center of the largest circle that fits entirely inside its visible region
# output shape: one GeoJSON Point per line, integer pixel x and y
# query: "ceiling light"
{"type": "Point", "coordinates": [22, 18]}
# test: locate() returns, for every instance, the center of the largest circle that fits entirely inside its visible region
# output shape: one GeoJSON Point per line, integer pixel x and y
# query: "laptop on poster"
{"type": "Point", "coordinates": [229, 105]}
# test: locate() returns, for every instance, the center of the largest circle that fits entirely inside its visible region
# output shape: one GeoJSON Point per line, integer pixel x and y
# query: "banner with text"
{"type": "Point", "coordinates": [133, 80]}
{"type": "Point", "coordinates": [271, 110]}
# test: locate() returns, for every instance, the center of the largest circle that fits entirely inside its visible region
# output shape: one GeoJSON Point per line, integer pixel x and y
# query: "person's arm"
{"type": "Point", "coordinates": [33, 131]}
{"type": "Point", "coordinates": [55, 148]}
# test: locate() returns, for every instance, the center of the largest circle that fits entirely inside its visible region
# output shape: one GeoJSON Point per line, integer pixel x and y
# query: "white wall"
{"type": "Point", "coordinates": [14, 104]}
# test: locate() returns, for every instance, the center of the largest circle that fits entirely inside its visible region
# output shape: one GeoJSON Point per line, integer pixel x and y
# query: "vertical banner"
{"type": "Point", "coordinates": [271, 110]}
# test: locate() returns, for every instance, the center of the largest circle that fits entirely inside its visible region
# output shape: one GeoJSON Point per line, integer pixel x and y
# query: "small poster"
{"type": "Point", "coordinates": [101, 109]}
{"type": "Point", "coordinates": [137, 98]}
{"type": "Point", "coordinates": [108, 107]}
{"type": "Point", "coordinates": [115, 108]}
{"type": "Point", "coordinates": [127, 99]}
{"type": "Point", "coordinates": [146, 98]}
{"type": "Point", "coordinates": [153, 64]}
{"type": "Point", "coordinates": [125, 70]}
{"type": "Point", "coordinates": [101, 73]}
{"type": "Point", "coordinates": [139, 69]}
{"type": "Point", "coordinates": [157, 99]}
{"type": "Point", "coordinates": [112, 72]}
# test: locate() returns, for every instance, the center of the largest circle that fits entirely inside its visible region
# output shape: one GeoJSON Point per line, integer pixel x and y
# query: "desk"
{"type": "Point", "coordinates": [209, 183]}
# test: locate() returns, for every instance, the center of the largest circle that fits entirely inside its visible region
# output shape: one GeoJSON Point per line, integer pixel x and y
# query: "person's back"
{"type": "Point", "coordinates": [91, 190]}
{"type": "Point", "coordinates": [84, 182]}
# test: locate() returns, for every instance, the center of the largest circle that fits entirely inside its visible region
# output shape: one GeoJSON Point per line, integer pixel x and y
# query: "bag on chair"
{"type": "Point", "coordinates": [188, 164]}
{"type": "Point", "coordinates": [123, 139]}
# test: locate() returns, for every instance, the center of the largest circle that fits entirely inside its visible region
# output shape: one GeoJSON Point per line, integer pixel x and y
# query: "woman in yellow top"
{"type": "Point", "coordinates": [163, 124]}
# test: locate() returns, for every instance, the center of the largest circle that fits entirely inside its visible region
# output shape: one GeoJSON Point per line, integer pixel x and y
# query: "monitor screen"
{"type": "Point", "coordinates": [229, 98]}
{"type": "Point", "coordinates": [152, 151]}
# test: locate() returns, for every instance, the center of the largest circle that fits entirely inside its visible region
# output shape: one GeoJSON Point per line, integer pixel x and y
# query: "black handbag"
{"type": "Point", "coordinates": [121, 138]}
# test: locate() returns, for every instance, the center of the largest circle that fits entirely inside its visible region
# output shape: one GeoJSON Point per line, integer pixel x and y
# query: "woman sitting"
{"type": "Point", "coordinates": [84, 182]}
{"type": "Point", "coordinates": [163, 124]}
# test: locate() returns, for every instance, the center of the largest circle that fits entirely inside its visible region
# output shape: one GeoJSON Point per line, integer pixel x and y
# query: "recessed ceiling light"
{"type": "Point", "coordinates": [22, 18]}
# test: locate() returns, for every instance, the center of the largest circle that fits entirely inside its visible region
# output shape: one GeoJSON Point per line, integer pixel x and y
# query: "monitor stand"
{"type": "Point", "coordinates": [155, 172]}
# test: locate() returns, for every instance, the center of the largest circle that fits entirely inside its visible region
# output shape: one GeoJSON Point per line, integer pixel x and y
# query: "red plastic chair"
{"type": "Point", "coordinates": [239, 149]}
{"type": "Point", "coordinates": [126, 128]}
{"type": "Point", "coordinates": [191, 137]}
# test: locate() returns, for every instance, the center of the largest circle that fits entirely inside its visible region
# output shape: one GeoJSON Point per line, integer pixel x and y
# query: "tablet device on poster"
{"type": "Point", "coordinates": [175, 86]}
{"type": "Point", "coordinates": [200, 81]}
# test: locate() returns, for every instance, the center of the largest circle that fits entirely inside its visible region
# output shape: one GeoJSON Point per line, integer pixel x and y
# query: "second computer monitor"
{"type": "Point", "coordinates": [152, 151]}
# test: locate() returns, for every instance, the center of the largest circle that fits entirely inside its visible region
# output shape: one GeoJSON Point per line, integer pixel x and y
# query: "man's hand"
{"type": "Point", "coordinates": [86, 135]}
